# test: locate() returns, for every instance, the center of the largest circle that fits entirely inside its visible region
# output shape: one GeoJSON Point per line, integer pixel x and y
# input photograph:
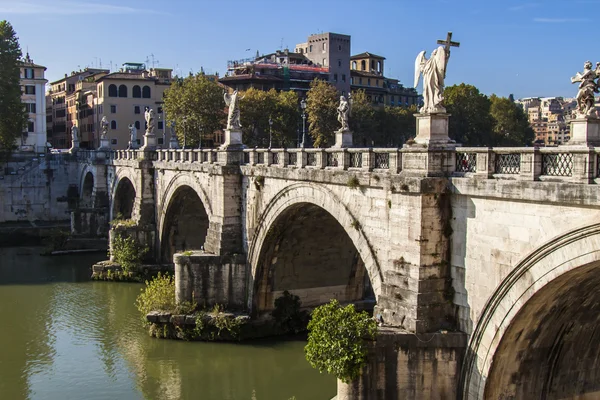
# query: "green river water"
{"type": "Point", "coordinates": [63, 336]}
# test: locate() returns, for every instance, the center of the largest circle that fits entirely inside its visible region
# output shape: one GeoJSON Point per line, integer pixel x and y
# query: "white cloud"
{"type": "Point", "coordinates": [67, 8]}
{"type": "Point", "coordinates": [560, 20]}
{"type": "Point", "coordinates": [523, 6]}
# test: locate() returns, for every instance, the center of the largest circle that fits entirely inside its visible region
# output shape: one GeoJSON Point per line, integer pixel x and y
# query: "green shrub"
{"type": "Point", "coordinates": [287, 314]}
{"type": "Point", "coordinates": [158, 295]}
{"type": "Point", "coordinates": [353, 182]}
{"type": "Point", "coordinates": [56, 240]}
{"type": "Point", "coordinates": [336, 340]}
{"type": "Point", "coordinates": [127, 252]}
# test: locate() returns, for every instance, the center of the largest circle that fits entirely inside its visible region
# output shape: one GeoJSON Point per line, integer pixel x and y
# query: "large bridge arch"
{"type": "Point", "coordinates": [520, 346]}
{"type": "Point", "coordinates": [122, 178]}
{"type": "Point", "coordinates": [318, 200]}
{"type": "Point", "coordinates": [86, 194]}
{"type": "Point", "coordinates": [184, 209]}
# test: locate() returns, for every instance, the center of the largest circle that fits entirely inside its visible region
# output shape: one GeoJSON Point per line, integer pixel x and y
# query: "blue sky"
{"type": "Point", "coordinates": [507, 46]}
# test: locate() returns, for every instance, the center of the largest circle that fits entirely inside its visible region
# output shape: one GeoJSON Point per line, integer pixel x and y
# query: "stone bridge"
{"type": "Point", "coordinates": [482, 263]}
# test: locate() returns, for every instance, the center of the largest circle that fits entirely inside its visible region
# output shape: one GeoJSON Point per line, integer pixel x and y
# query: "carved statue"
{"type": "Point", "coordinates": [74, 134]}
{"type": "Point", "coordinates": [104, 126]}
{"type": "Point", "coordinates": [587, 88]}
{"type": "Point", "coordinates": [233, 118]}
{"type": "Point", "coordinates": [149, 116]}
{"type": "Point", "coordinates": [434, 73]}
{"type": "Point", "coordinates": [132, 135]}
{"type": "Point", "coordinates": [344, 110]}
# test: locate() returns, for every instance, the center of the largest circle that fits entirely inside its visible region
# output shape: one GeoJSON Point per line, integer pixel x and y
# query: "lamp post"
{"type": "Point", "coordinates": [184, 131]}
{"type": "Point", "coordinates": [200, 144]}
{"type": "Point", "coordinates": [303, 106]}
{"type": "Point", "coordinates": [270, 131]}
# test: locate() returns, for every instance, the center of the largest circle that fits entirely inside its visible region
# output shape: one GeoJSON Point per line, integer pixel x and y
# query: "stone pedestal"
{"type": "Point", "coordinates": [104, 143]}
{"type": "Point", "coordinates": [343, 139]}
{"type": "Point", "coordinates": [585, 131]}
{"type": "Point", "coordinates": [233, 140]}
{"type": "Point", "coordinates": [149, 141]}
{"type": "Point", "coordinates": [432, 129]}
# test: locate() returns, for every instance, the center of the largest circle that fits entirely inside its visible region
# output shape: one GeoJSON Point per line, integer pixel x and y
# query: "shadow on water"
{"type": "Point", "coordinates": [75, 338]}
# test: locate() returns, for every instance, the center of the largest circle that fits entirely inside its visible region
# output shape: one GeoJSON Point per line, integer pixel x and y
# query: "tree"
{"type": "Point", "coordinates": [396, 125]}
{"type": "Point", "coordinates": [322, 102]}
{"type": "Point", "coordinates": [196, 105]}
{"type": "Point", "coordinates": [13, 118]}
{"type": "Point", "coordinates": [257, 106]}
{"type": "Point", "coordinates": [511, 126]}
{"type": "Point", "coordinates": [470, 123]}
{"type": "Point", "coordinates": [336, 340]}
{"type": "Point", "coordinates": [363, 121]}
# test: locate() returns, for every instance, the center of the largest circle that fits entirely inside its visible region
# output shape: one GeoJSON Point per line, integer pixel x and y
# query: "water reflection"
{"type": "Point", "coordinates": [70, 338]}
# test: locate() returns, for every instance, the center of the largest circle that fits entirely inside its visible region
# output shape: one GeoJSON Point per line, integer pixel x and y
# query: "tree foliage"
{"type": "Point", "coordinates": [511, 127]}
{"type": "Point", "coordinates": [257, 106]}
{"type": "Point", "coordinates": [13, 117]}
{"type": "Point", "coordinates": [471, 123]}
{"type": "Point", "coordinates": [336, 340]}
{"type": "Point", "coordinates": [196, 105]}
{"type": "Point", "coordinates": [321, 105]}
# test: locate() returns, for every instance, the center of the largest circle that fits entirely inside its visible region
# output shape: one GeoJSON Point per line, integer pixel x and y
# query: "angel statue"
{"type": "Point", "coordinates": [434, 72]}
{"type": "Point", "coordinates": [587, 88]}
{"type": "Point", "coordinates": [233, 118]}
{"type": "Point", "coordinates": [132, 135]}
{"type": "Point", "coordinates": [149, 116]}
{"type": "Point", "coordinates": [104, 127]}
{"type": "Point", "coordinates": [344, 110]}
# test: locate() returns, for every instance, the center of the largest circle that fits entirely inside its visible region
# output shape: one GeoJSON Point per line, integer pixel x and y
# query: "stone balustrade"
{"type": "Point", "coordinates": [188, 155]}
{"type": "Point", "coordinates": [576, 165]}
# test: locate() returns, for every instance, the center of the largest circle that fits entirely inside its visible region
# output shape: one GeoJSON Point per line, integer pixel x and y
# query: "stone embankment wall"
{"type": "Point", "coordinates": [38, 188]}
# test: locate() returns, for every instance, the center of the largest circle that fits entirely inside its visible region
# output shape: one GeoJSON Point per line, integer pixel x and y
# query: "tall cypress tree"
{"type": "Point", "coordinates": [13, 117]}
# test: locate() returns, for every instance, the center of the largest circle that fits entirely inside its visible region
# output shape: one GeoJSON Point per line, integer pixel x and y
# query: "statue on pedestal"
{"type": "Point", "coordinates": [104, 127]}
{"type": "Point", "coordinates": [587, 88]}
{"type": "Point", "coordinates": [344, 110]}
{"type": "Point", "coordinates": [149, 116]}
{"type": "Point", "coordinates": [74, 134]}
{"type": "Point", "coordinates": [233, 118]}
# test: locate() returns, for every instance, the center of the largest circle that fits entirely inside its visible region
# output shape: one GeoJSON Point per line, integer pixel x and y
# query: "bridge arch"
{"type": "Point", "coordinates": [87, 186]}
{"type": "Point", "coordinates": [184, 216]}
{"type": "Point", "coordinates": [535, 332]}
{"type": "Point", "coordinates": [123, 199]}
{"type": "Point", "coordinates": [275, 228]}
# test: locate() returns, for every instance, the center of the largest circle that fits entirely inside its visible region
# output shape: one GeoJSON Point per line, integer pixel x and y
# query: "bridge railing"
{"type": "Point", "coordinates": [369, 159]}
{"type": "Point", "coordinates": [188, 155]}
{"type": "Point", "coordinates": [579, 165]}
{"type": "Point", "coordinates": [124, 154]}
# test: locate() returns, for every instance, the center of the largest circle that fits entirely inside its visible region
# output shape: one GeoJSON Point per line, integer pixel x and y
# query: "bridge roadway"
{"type": "Point", "coordinates": [483, 263]}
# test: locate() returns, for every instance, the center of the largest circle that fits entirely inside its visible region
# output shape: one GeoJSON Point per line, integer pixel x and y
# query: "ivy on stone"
{"type": "Point", "coordinates": [337, 340]}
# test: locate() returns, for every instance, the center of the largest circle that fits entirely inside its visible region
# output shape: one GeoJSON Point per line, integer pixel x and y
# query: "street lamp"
{"type": "Point", "coordinates": [270, 131]}
{"type": "Point", "coordinates": [184, 131]}
{"type": "Point", "coordinates": [200, 145]}
{"type": "Point", "coordinates": [303, 106]}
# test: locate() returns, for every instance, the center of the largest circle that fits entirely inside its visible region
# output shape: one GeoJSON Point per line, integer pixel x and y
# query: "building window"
{"type": "Point", "coordinates": [335, 77]}
{"type": "Point", "coordinates": [160, 124]}
{"type": "Point", "coordinates": [137, 125]}
{"type": "Point", "coordinates": [113, 141]}
{"type": "Point", "coordinates": [360, 81]}
{"type": "Point", "coordinates": [112, 91]}
{"type": "Point", "coordinates": [378, 66]}
{"type": "Point", "coordinates": [29, 89]}
{"type": "Point", "coordinates": [324, 46]}
{"type": "Point", "coordinates": [28, 73]}
{"type": "Point", "coordinates": [343, 77]}
{"type": "Point", "coordinates": [30, 126]}
{"type": "Point", "coordinates": [339, 47]}
{"type": "Point", "coordinates": [122, 91]}
{"type": "Point", "coordinates": [310, 48]}
{"type": "Point", "coordinates": [159, 110]}
{"type": "Point", "coordinates": [369, 82]}
{"type": "Point", "coordinates": [353, 64]}
{"type": "Point", "coordinates": [136, 109]}
{"type": "Point", "coordinates": [339, 63]}
{"type": "Point", "coordinates": [113, 124]}
{"type": "Point", "coordinates": [146, 92]}
{"type": "Point", "coordinates": [113, 109]}
{"type": "Point", "coordinates": [352, 80]}
{"type": "Point", "coordinates": [136, 92]}
{"type": "Point", "coordinates": [30, 107]}
{"type": "Point", "coordinates": [372, 65]}
{"type": "Point", "coordinates": [363, 65]}
{"type": "Point", "coordinates": [324, 62]}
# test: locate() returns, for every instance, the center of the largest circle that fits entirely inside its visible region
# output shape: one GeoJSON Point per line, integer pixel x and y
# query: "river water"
{"type": "Point", "coordinates": [63, 336]}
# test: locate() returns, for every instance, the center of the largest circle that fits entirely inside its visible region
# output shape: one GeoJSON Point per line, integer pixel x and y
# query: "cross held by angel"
{"type": "Point", "coordinates": [434, 73]}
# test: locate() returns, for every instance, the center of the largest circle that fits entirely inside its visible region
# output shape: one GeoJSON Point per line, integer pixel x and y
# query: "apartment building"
{"type": "Point", "coordinates": [33, 86]}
